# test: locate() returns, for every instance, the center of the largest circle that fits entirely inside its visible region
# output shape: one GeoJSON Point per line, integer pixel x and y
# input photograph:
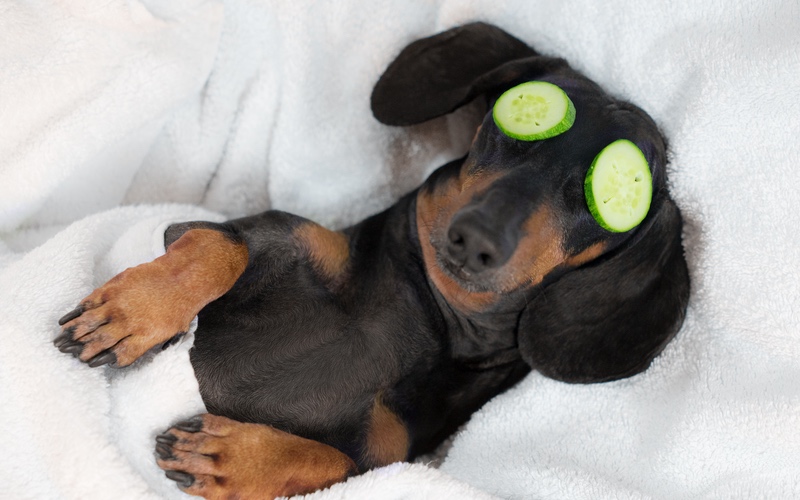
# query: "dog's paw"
{"type": "Point", "coordinates": [116, 324]}
{"type": "Point", "coordinates": [216, 457]}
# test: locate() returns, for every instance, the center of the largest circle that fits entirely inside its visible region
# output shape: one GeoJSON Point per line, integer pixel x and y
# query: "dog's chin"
{"type": "Point", "coordinates": [471, 282]}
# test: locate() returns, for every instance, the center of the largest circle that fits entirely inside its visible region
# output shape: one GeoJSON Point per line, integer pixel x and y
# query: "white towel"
{"type": "Point", "coordinates": [112, 109]}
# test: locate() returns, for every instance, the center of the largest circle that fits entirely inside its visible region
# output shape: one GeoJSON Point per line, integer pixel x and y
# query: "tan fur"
{"type": "Point", "coordinates": [435, 209]}
{"type": "Point", "coordinates": [587, 255]}
{"type": "Point", "coordinates": [538, 253]}
{"type": "Point", "coordinates": [148, 304]}
{"type": "Point", "coordinates": [329, 251]}
{"type": "Point", "coordinates": [387, 438]}
{"type": "Point", "coordinates": [231, 459]}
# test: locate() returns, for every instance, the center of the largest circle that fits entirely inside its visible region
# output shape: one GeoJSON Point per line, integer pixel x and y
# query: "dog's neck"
{"type": "Point", "coordinates": [387, 247]}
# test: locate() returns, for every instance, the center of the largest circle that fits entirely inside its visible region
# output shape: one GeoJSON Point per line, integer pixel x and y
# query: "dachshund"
{"type": "Point", "coordinates": [321, 354]}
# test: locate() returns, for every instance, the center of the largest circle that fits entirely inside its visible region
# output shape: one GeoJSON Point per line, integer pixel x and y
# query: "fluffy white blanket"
{"type": "Point", "coordinates": [112, 109]}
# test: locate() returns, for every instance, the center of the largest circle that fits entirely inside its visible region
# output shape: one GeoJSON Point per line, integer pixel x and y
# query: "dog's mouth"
{"type": "Point", "coordinates": [456, 272]}
{"type": "Point", "coordinates": [509, 265]}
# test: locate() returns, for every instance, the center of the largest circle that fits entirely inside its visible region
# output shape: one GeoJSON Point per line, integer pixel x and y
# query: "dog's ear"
{"type": "Point", "coordinates": [434, 76]}
{"type": "Point", "coordinates": [609, 319]}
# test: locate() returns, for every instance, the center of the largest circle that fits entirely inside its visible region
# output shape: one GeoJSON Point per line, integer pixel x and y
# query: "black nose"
{"type": "Point", "coordinates": [477, 243]}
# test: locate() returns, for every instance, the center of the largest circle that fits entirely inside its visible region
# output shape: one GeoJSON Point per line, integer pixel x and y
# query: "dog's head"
{"type": "Point", "coordinates": [508, 233]}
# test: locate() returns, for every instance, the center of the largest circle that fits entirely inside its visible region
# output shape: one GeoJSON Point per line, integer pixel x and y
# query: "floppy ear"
{"type": "Point", "coordinates": [609, 319]}
{"type": "Point", "coordinates": [435, 75]}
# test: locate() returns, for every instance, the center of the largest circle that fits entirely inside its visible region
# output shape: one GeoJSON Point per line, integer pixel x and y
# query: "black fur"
{"type": "Point", "coordinates": [285, 349]}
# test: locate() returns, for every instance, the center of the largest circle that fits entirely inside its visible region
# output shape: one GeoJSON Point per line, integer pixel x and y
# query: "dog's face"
{"type": "Point", "coordinates": [509, 230]}
{"type": "Point", "coordinates": [515, 213]}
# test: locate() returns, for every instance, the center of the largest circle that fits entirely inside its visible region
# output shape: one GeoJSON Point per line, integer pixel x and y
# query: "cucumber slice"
{"type": "Point", "coordinates": [534, 110]}
{"type": "Point", "coordinates": [619, 186]}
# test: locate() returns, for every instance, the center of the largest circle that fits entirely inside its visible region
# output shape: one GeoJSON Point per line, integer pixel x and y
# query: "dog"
{"type": "Point", "coordinates": [321, 354]}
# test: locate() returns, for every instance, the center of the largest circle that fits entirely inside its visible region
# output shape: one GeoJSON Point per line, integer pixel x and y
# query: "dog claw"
{"type": "Point", "coordinates": [164, 452]}
{"type": "Point", "coordinates": [71, 315]}
{"type": "Point", "coordinates": [71, 347]}
{"type": "Point", "coordinates": [102, 358]}
{"type": "Point", "coordinates": [194, 424]}
{"type": "Point", "coordinates": [182, 478]}
{"type": "Point", "coordinates": [64, 337]}
{"type": "Point", "coordinates": [166, 439]}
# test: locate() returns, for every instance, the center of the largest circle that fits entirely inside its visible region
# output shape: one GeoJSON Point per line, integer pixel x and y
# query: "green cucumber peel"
{"type": "Point", "coordinates": [619, 186]}
{"type": "Point", "coordinates": [533, 111]}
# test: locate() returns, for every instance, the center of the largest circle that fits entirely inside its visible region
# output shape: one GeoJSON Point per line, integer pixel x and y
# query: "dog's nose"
{"type": "Point", "coordinates": [477, 245]}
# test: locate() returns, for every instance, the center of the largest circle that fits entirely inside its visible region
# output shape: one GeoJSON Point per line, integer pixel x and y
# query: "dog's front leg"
{"type": "Point", "coordinates": [149, 304]}
{"type": "Point", "coordinates": [218, 458]}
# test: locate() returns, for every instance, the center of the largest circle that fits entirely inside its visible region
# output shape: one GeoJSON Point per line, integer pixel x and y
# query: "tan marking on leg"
{"type": "Point", "coordinates": [255, 461]}
{"type": "Point", "coordinates": [149, 304]}
{"type": "Point", "coordinates": [329, 251]}
{"type": "Point", "coordinates": [200, 463]}
{"type": "Point", "coordinates": [387, 437]}
{"type": "Point", "coordinates": [199, 442]}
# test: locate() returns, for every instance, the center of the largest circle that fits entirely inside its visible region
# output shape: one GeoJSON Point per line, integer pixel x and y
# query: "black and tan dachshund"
{"type": "Point", "coordinates": [322, 354]}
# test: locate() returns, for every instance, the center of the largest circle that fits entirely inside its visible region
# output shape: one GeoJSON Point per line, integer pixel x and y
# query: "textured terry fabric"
{"type": "Point", "coordinates": [112, 110]}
